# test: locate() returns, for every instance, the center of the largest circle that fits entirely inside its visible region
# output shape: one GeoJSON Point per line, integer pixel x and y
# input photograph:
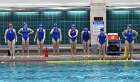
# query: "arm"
{"type": "Point", "coordinates": [76, 33]}
{"type": "Point", "coordinates": [89, 35]}
{"type": "Point", "coordinates": [123, 33]}
{"type": "Point", "coordinates": [15, 35]}
{"type": "Point", "coordinates": [31, 31]}
{"type": "Point", "coordinates": [19, 32]}
{"type": "Point", "coordinates": [82, 36]}
{"type": "Point", "coordinates": [69, 33]}
{"type": "Point", "coordinates": [51, 31]}
{"type": "Point", "coordinates": [60, 35]}
{"type": "Point", "coordinates": [35, 36]}
{"type": "Point", "coordinates": [44, 35]}
{"type": "Point", "coordinates": [136, 33]}
{"type": "Point", "coordinates": [97, 39]}
{"type": "Point", "coordinates": [5, 36]}
{"type": "Point", "coordinates": [106, 38]}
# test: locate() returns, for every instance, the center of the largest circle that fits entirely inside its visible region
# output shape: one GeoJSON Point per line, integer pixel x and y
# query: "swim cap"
{"type": "Point", "coordinates": [73, 25]}
{"type": "Point", "coordinates": [102, 29]}
{"type": "Point", "coordinates": [10, 25]}
{"type": "Point", "coordinates": [55, 25]}
{"type": "Point", "coordinates": [129, 25]}
{"type": "Point", "coordinates": [85, 29]}
{"type": "Point", "coordinates": [40, 25]}
{"type": "Point", "coordinates": [24, 23]}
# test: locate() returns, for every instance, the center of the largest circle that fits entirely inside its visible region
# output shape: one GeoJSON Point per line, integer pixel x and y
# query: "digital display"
{"type": "Point", "coordinates": [98, 18]}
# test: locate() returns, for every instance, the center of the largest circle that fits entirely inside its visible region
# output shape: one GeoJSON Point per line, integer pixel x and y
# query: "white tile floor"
{"type": "Point", "coordinates": [35, 58]}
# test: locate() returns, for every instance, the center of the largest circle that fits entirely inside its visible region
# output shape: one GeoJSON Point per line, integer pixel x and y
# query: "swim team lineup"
{"type": "Point", "coordinates": [11, 38]}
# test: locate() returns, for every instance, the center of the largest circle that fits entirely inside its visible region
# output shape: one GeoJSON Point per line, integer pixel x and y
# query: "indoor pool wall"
{"type": "Point", "coordinates": [117, 21]}
{"type": "Point", "coordinates": [48, 18]}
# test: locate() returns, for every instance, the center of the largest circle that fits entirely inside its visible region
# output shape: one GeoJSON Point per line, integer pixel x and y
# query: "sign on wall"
{"type": "Point", "coordinates": [96, 27]}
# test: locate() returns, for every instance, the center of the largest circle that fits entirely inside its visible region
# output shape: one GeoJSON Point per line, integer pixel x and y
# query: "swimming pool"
{"type": "Point", "coordinates": [70, 72]}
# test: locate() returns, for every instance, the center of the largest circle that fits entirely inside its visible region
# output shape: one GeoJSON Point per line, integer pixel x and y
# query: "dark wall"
{"type": "Point", "coordinates": [117, 21]}
{"type": "Point", "coordinates": [63, 18]}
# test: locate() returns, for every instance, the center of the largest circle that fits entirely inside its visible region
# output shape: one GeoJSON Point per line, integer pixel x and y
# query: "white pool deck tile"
{"type": "Point", "coordinates": [35, 58]}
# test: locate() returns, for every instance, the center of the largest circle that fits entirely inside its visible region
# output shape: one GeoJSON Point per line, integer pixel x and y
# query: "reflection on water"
{"type": "Point", "coordinates": [70, 72]}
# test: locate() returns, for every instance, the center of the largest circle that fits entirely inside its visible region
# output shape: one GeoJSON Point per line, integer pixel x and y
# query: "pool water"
{"type": "Point", "coordinates": [70, 72]}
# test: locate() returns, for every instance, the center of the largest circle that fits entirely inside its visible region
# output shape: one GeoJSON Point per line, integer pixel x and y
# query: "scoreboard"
{"type": "Point", "coordinates": [98, 18]}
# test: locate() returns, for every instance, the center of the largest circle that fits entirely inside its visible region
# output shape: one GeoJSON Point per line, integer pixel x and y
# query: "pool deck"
{"type": "Point", "coordinates": [35, 58]}
{"type": "Point", "coordinates": [65, 54]}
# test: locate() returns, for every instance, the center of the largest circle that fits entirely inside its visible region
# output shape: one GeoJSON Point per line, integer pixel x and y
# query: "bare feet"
{"type": "Point", "coordinates": [13, 57]}
{"type": "Point", "coordinates": [126, 58]}
{"type": "Point", "coordinates": [88, 55]}
{"type": "Point", "coordinates": [103, 58]}
{"type": "Point", "coordinates": [131, 58]}
{"type": "Point", "coordinates": [57, 56]}
{"type": "Point", "coordinates": [72, 56]}
{"type": "Point", "coordinates": [41, 56]}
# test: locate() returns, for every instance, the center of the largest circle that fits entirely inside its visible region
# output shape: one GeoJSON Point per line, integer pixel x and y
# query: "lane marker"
{"type": "Point", "coordinates": [73, 61]}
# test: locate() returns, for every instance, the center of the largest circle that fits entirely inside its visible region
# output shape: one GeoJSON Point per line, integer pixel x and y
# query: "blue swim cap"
{"type": "Point", "coordinates": [55, 25]}
{"type": "Point", "coordinates": [73, 25]}
{"type": "Point", "coordinates": [24, 23]}
{"type": "Point", "coordinates": [102, 29]}
{"type": "Point", "coordinates": [85, 29]}
{"type": "Point", "coordinates": [130, 25]}
{"type": "Point", "coordinates": [40, 25]}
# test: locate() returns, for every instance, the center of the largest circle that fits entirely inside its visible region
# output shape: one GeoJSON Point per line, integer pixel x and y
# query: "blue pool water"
{"type": "Point", "coordinates": [70, 72]}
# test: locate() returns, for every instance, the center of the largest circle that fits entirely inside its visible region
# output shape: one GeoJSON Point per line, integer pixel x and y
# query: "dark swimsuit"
{"type": "Point", "coordinates": [86, 36]}
{"type": "Point", "coordinates": [129, 35]}
{"type": "Point", "coordinates": [10, 34]}
{"type": "Point", "coordinates": [102, 38]}
{"type": "Point", "coordinates": [56, 34]}
{"type": "Point", "coordinates": [25, 33]}
{"type": "Point", "coordinates": [40, 34]}
{"type": "Point", "coordinates": [73, 33]}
